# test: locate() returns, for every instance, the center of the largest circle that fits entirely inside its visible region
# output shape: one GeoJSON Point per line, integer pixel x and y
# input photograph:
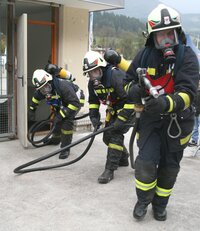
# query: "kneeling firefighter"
{"type": "Point", "coordinates": [65, 99]}
{"type": "Point", "coordinates": [106, 86]}
{"type": "Point", "coordinates": [166, 123]}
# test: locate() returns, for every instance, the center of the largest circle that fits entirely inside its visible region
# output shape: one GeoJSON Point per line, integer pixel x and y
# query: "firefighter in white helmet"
{"type": "Point", "coordinates": [166, 123]}
{"type": "Point", "coordinates": [106, 86]}
{"type": "Point", "coordinates": [61, 95]}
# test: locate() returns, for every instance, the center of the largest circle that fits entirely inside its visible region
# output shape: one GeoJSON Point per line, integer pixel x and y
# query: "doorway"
{"type": "Point", "coordinates": [42, 21]}
{"type": "Point", "coordinates": [41, 49]}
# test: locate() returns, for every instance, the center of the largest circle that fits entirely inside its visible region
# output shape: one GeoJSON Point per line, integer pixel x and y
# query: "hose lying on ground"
{"type": "Point", "coordinates": [21, 169]}
{"type": "Point", "coordinates": [39, 125]}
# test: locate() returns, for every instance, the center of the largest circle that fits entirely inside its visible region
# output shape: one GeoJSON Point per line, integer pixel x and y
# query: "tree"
{"type": "Point", "coordinates": [2, 44]}
{"type": "Point", "coordinates": [118, 32]}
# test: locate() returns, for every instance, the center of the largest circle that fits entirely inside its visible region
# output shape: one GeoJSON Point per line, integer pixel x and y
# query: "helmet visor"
{"type": "Point", "coordinates": [165, 38]}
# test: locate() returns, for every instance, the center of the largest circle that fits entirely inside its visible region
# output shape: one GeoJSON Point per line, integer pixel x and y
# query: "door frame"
{"type": "Point", "coordinates": [53, 37]}
{"type": "Point", "coordinates": [22, 135]}
{"type": "Point", "coordinates": [22, 120]}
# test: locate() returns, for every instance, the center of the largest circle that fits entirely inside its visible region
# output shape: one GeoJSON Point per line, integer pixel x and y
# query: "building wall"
{"type": "Point", "coordinates": [73, 41]}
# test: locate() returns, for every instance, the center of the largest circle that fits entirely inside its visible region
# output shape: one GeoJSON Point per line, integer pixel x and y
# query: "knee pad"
{"type": "Point", "coordinates": [167, 177]}
{"type": "Point", "coordinates": [145, 171]}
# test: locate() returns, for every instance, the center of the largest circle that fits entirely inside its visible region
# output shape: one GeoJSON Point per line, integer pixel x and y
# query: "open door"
{"type": "Point", "coordinates": [22, 80]}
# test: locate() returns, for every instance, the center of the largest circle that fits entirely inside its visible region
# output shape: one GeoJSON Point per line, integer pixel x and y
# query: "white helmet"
{"type": "Point", "coordinates": [92, 60]}
{"type": "Point", "coordinates": [162, 18]}
{"type": "Point", "coordinates": [40, 78]}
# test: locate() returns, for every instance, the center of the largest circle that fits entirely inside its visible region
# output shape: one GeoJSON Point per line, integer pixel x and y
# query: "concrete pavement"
{"type": "Point", "coordinates": [70, 198]}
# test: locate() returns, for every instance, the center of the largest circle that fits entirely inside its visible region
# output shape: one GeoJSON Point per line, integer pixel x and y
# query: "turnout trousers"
{"type": "Point", "coordinates": [156, 170]}
{"type": "Point", "coordinates": [114, 139]}
{"type": "Point", "coordinates": [64, 130]}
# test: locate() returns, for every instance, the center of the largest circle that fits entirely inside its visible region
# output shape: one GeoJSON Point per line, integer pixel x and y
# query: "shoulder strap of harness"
{"type": "Point", "coordinates": [109, 75]}
{"type": "Point", "coordinates": [179, 58]}
{"type": "Point", "coordinates": [55, 84]}
{"type": "Point", "coordinates": [146, 52]}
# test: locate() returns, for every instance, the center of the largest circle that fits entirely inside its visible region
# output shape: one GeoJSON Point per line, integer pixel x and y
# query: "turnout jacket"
{"type": "Point", "coordinates": [180, 89]}
{"type": "Point", "coordinates": [63, 99]}
{"type": "Point", "coordinates": [110, 92]}
{"type": "Point", "coordinates": [197, 103]}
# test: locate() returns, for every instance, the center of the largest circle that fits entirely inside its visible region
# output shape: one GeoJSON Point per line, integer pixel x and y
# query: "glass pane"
{"type": "Point", "coordinates": [6, 75]}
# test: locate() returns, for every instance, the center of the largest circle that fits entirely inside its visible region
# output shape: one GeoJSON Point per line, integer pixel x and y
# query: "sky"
{"type": "Point", "coordinates": [184, 6]}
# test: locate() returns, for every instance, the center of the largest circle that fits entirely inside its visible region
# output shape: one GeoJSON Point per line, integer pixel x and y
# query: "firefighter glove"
{"type": "Point", "coordinates": [64, 112]}
{"type": "Point", "coordinates": [135, 94]}
{"type": "Point", "coordinates": [156, 105]}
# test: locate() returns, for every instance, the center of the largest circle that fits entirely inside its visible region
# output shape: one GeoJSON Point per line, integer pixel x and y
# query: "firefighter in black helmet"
{"type": "Point", "coordinates": [105, 86]}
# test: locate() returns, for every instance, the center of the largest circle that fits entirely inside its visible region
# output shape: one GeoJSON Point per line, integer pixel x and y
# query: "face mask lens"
{"type": "Point", "coordinates": [165, 38]}
{"type": "Point", "coordinates": [46, 89]}
{"type": "Point", "coordinates": [95, 74]}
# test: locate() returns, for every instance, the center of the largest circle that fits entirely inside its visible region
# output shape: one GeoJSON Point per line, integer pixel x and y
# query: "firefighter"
{"type": "Point", "coordinates": [105, 87]}
{"type": "Point", "coordinates": [166, 122]}
{"type": "Point", "coordinates": [62, 96]}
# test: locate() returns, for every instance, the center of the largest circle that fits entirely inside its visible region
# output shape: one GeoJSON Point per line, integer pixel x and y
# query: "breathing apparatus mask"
{"type": "Point", "coordinates": [46, 90]}
{"type": "Point", "coordinates": [95, 76]}
{"type": "Point", "coordinates": [165, 40]}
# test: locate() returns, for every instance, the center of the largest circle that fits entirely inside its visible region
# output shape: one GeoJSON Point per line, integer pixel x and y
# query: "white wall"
{"type": "Point", "coordinates": [73, 42]}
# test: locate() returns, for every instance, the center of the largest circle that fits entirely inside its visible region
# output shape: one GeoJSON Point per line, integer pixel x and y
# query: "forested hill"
{"type": "Point", "coordinates": [118, 23]}
{"type": "Point", "coordinates": [119, 32]}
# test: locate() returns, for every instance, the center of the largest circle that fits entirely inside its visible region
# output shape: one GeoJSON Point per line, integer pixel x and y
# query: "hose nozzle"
{"type": "Point", "coordinates": [143, 80]}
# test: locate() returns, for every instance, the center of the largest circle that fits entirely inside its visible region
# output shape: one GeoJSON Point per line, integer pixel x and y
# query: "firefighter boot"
{"type": "Point", "coordinates": [106, 176]}
{"type": "Point", "coordinates": [64, 154]}
{"type": "Point", "coordinates": [140, 210]}
{"type": "Point", "coordinates": [65, 141]}
{"type": "Point", "coordinates": [159, 215]}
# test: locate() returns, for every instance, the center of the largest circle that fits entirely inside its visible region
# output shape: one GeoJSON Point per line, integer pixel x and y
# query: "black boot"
{"type": "Point", "coordinates": [159, 215]}
{"type": "Point", "coordinates": [140, 210]}
{"type": "Point", "coordinates": [64, 154]}
{"type": "Point", "coordinates": [106, 176]}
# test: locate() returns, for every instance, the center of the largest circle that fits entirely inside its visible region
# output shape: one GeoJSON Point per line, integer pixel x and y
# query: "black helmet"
{"type": "Point", "coordinates": [52, 69]}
